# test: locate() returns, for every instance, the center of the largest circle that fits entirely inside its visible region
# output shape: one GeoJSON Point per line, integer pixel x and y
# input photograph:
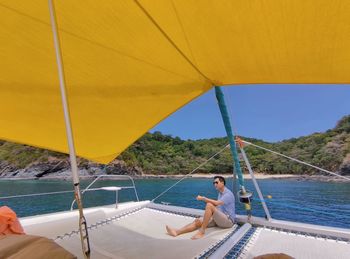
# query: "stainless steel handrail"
{"type": "Point", "coordinates": [107, 175]}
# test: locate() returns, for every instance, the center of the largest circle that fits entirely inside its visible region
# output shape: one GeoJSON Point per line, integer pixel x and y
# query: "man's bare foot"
{"type": "Point", "coordinates": [199, 235]}
{"type": "Point", "coordinates": [171, 231]}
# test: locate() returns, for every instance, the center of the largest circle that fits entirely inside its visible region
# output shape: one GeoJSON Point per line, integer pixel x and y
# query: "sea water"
{"type": "Point", "coordinates": [322, 203]}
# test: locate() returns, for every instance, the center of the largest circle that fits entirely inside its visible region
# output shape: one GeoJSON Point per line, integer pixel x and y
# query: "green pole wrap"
{"type": "Point", "coordinates": [231, 137]}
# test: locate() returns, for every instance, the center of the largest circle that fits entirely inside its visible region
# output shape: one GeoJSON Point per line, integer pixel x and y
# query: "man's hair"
{"type": "Point", "coordinates": [221, 179]}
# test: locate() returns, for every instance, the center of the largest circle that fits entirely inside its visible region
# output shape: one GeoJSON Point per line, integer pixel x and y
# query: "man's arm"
{"type": "Point", "coordinates": [207, 200]}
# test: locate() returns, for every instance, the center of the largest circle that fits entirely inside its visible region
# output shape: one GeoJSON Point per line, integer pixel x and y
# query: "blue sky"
{"type": "Point", "coordinates": [268, 112]}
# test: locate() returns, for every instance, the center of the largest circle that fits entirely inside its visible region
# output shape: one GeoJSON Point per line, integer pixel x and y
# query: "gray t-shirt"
{"type": "Point", "coordinates": [228, 207]}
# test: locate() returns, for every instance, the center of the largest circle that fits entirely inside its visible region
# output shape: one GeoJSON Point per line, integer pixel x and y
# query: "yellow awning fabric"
{"type": "Point", "coordinates": [129, 64]}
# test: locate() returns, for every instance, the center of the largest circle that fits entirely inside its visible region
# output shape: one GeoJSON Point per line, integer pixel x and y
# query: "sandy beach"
{"type": "Point", "coordinates": [315, 177]}
{"type": "Point", "coordinates": [246, 176]}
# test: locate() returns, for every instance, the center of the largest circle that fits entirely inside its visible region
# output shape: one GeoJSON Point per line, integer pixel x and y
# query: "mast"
{"type": "Point", "coordinates": [72, 155]}
{"type": "Point", "coordinates": [226, 118]}
{"type": "Point", "coordinates": [237, 171]}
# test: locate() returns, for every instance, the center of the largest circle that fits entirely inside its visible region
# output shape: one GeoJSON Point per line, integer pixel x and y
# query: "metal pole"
{"type": "Point", "coordinates": [267, 213]}
{"type": "Point", "coordinates": [116, 199]}
{"type": "Point", "coordinates": [297, 160]}
{"type": "Point", "coordinates": [226, 118]}
{"type": "Point", "coordinates": [72, 155]}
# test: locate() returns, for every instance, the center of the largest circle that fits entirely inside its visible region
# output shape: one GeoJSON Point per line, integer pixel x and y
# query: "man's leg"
{"type": "Point", "coordinates": [188, 228]}
{"type": "Point", "coordinates": [209, 211]}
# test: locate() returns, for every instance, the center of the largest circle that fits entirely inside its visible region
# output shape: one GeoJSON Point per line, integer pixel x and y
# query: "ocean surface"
{"type": "Point", "coordinates": [321, 203]}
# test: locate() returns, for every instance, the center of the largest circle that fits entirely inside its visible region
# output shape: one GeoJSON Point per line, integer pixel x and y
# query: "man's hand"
{"type": "Point", "coordinates": [205, 199]}
{"type": "Point", "coordinates": [200, 198]}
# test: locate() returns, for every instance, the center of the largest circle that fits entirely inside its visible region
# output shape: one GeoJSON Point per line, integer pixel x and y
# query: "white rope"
{"type": "Point", "coordinates": [52, 193]}
{"type": "Point", "coordinates": [235, 131]}
{"type": "Point", "coordinates": [221, 150]}
{"type": "Point", "coordinates": [34, 194]}
{"type": "Point", "coordinates": [230, 111]}
{"type": "Point", "coordinates": [297, 160]}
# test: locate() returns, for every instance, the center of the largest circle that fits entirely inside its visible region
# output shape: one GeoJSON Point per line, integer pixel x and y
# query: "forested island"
{"type": "Point", "coordinates": [159, 154]}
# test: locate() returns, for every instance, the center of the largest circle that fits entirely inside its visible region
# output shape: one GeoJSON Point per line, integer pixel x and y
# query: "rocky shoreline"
{"type": "Point", "coordinates": [60, 169]}
{"type": "Point", "coordinates": [91, 173]}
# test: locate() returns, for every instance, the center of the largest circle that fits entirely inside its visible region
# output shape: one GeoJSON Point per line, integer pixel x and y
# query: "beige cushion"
{"type": "Point", "coordinates": [27, 246]}
{"type": "Point", "coordinates": [273, 256]}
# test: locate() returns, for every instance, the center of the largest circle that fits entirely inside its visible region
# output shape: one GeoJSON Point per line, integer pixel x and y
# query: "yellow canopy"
{"type": "Point", "coordinates": [129, 64]}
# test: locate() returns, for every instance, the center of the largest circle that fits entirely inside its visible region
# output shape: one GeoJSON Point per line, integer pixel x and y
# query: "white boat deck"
{"type": "Point", "coordinates": [139, 233]}
{"type": "Point", "coordinates": [142, 235]}
{"type": "Point", "coordinates": [269, 241]}
{"type": "Point", "coordinates": [137, 230]}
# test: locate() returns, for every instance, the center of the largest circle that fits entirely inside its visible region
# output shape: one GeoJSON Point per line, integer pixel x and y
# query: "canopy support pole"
{"type": "Point", "coordinates": [256, 185]}
{"type": "Point", "coordinates": [72, 155]}
{"type": "Point", "coordinates": [226, 118]}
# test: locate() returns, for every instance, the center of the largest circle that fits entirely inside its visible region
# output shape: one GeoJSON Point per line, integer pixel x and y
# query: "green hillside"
{"type": "Point", "coordinates": [162, 154]}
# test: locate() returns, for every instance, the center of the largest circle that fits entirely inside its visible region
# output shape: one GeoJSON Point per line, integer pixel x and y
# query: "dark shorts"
{"type": "Point", "coordinates": [220, 219]}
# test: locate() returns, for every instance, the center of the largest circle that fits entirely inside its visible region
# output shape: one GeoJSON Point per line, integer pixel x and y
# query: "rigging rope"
{"type": "Point", "coordinates": [334, 215]}
{"type": "Point", "coordinates": [235, 131]}
{"type": "Point", "coordinates": [35, 194]}
{"type": "Point", "coordinates": [316, 207]}
{"type": "Point", "coordinates": [50, 193]}
{"type": "Point", "coordinates": [226, 119]}
{"type": "Point", "coordinates": [194, 170]}
{"type": "Point", "coordinates": [296, 160]}
{"type": "Point", "coordinates": [206, 161]}
{"type": "Point", "coordinates": [244, 195]}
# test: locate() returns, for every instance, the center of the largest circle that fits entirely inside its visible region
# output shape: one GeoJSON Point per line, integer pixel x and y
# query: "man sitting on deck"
{"type": "Point", "coordinates": [220, 212]}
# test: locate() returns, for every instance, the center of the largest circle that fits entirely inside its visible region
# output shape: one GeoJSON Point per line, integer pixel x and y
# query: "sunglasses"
{"type": "Point", "coordinates": [216, 182]}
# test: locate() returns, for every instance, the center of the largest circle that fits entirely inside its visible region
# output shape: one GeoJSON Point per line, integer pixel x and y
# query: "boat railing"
{"type": "Point", "coordinates": [116, 189]}
{"type": "Point", "coordinates": [110, 188]}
